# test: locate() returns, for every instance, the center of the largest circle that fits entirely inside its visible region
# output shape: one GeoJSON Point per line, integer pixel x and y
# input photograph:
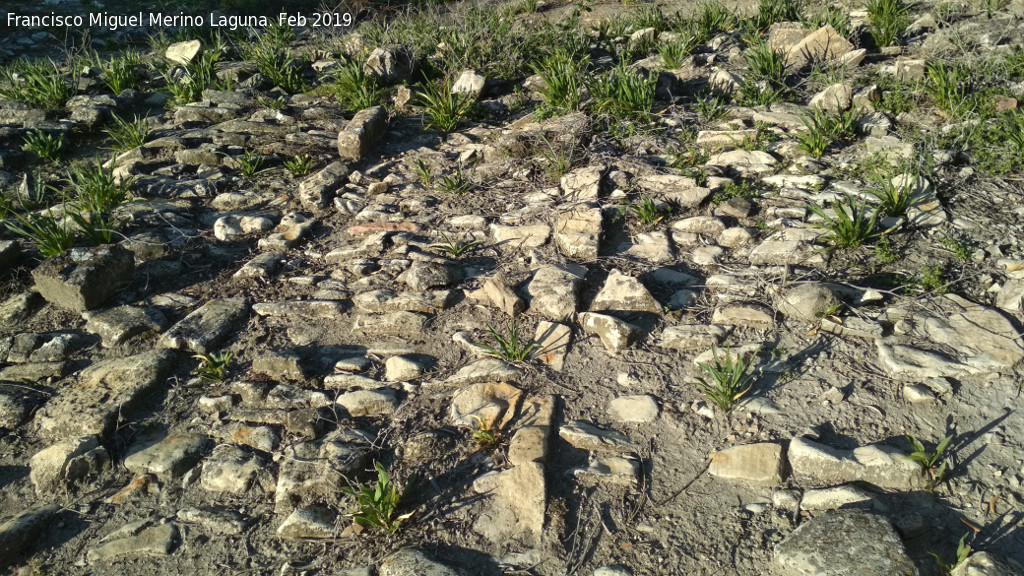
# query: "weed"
{"type": "Point", "coordinates": [94, 187]}
{"type": "Point", "coordinates": [443, 110]}
{"type": "Point", "coordinates": [674, 53]}
{"type": "Point", "coordinates": [485, 436]}
{"type": "Point", "coordinates": [127, 134]}
{"type": "Point", "coordinates": [39, 83]}
{"type": "Point", "coordinates": [623, 94]}
{"type": "Point", "coordinates": [962, 249]}
{"type": "Point", "coordinates": [730, 380]}
{"type": "Point", "coordinates": [277, 64]}
{"type": "Point", "coordinates": [760, 93]}
{"type": "Point", "coordinates": [650, 17]}
{"type": "Point", "coordinates": [741, 189]}
{"type": "Point", "coordinates": [277, 35]}
{"type": "Point", "coordinates": [766, 64]}
{"type": "Point", "coordinates": [932, 280]}
{"type": "Point", "coordinates": [424, 172]}
{"type": "Point", "coordinates": [454, 248]}
{"type": "Point", "coordinates": [1013, 129]}
{"type": "Point", "coordinates": [963, 550]}
{"type": "Point", "coordinates": [895, 198]}
{"type": "Point", "coordinates": [213, 367]}
{"type": "Point", "coordinates": [562, 74]}
{"type": "Point", "coordinates": [648, 212]}
{"type": "Point", "coordinates": [354, 89]}
{"type": "Point", "coordinates": [120, 74]}
{"type": "Point", "coordinates": [711, 19]}
{"type": "Point", "coordinates": [888, 21]}
{"type": "Point", "coordinates": [847, 230]}
{"type": "Point", "coordinates": [250, 163]}
{"type": "Point", "coordinates": [690, 158]}
{"type": "Point", "coordinates": [771, 11]}
{"type": "Point", "coordinates": [456, 183]}
{"type": "Point", "coordinates": [932, 463]}
{"type": "Point", "coordinates": [277, 104]}
{"type": "Point", "coordinates": [710, 106]}
{"type": "Point", "coordinates": [378, 503]}
{"type": "Point", "coordinates": [950, 87]}
{"type": "Point", "coordinates": [510, 344]}
{"type": "Point", "coordinates": [837, 18]}
{"type": "Point", "coordinates": [557, 162]}
{"type": "Point", "coordinates": [200, 75]}
{"type": "Point", "coordinates": [299, 165]}
{"type": "Point", "coordinates": [885, 252]}
{"type": "Point", "coordinates": [821, 129]}
{"type": "Point", "coordinates": [49, 236]}
{"type": "Point", "coordinates": [45, 146]}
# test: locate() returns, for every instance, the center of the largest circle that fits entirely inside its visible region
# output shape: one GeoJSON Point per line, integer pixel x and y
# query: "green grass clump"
{"type": "Point", "coordinates": [729, 380]}
{"type": "Point", "coordinates": [837, 18]}
{"type": "Point", "coordinates": [456, 249]}
{"type": "Point", "coordinates": [379, 503]}
{"type": "Point", "coordinates": [457, 182]}
{"type": "Point", "coordinates": [648, 212]}
{"type": "Point", "coordinates": [674, 53]}
{"type": "Point", "coordinates": [49, 236]}
{"type": "Point", "coordinates": [44, 145]}
{"type": "Point", "coordinates": [623, 94]}
{"type": "Point", "coordinates": [932, 462]}
{"type": "Point", "coordinates": [823, 129]}
{"type": "Point", "coordinates": [771, 11]}
{"type": "Point", "coordinates": [963, 550]}
{"type": "Point", "coordinates": [200, 75]}
{"type": "Point", "coordinates": [563, 75]}
{"type": "Point", "coordinates": [213, 367]}
{"type": "Point", "coordinates": [950, 87]}
{"type": "Point", "coordinates": [888, 21]}
{"type": "Point", "coordinates": [852, 225]}
{"type": "Point", "coordinates": [120, 74]}
{"type": "Point", "coordinates": [40, 83]}
{"type": "Point", "coordinates": [895, 198]}
{"type": "Point", "coordinates": [277, 64]}
{"type": "Point", "coordinates": [443, 110]}
{"type": "Point", "coordinates": [355, 90]}
{"type": "Point", "coordinates": [712, 18]}
{"type": "Point", "coordinates": [251, 163]}
{"type": "Point", "coordinates": [299, 165]}
{"type": "Point", "coordinates": [127, 134]}
{"type": "Point", "coordinates": [510, 344]}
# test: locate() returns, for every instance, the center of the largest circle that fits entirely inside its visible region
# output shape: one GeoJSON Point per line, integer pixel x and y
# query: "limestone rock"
{"type": "Point", "coordinates": [203, 329]}
{"type": "Point", "coordinates": [821, 45]}
{"type": "Point", "coordinates": [183, 53]}
{"type": "Point", "coordinates": [232, 470]}
{"type": "Point", "coordinates": [586, 436]}
{"type": "Point", "coordinates": [84, 278]}
{"type": "Point", "coordinates": [469, 83]}
{"type": "Point", "coordinates": [363, 131]}
{"type": "Point", "coordinates": [978, 564]}
{"type": "Point", "coordinates": [749, 314]}
{"type": "Point", "coordinates": [159, 540]}
{"type": "Point", "coordinates": [622, 293]}
{"type": "Point", "coordinates": [762, 463]}
{"type": "Point", "coordinates": [844, 542]}
{"type": "Point", "coordinates": [316, 191]}
{"type": "Point", "coordinates": [643, 408]}
{"type": "Point", "coordinates": [310, 522]}
{"type": "Point", "coordinates": [494, 403]}
{"type": "Point", "coordinates": [615, 334]}
{"type": "Point", "coordinates": [20, 534]}
{"type": "Point", "coordinates": [412, 562]}
{"type": "Point", "coordinates": [834, 98]}
{"type": "Point", "coordinates": [552, 341]}
{"type": "Point", "coordinates": [293, 228]}
{"type": "Point", "coordinates": [687, 337]}
{"type": "Point", "coordinates": [884, 466]}
{"type": "Point", "coordinates": [554, 291]}
{"type": "Point", "coordinates": [578, 231]}
{"type": "Point", "coordinates": [667, 187]}
{"type": "Point", "coordinates": [808, 301]}
{"type": "Point", "coordinates": [503, 296]}
{"type": "Point", "coordinates": [117, 325]}
{"type": "Point", "coordinates": [66, 462]}
{"type": "Point", "coordinates": [168, 457]}
{"type": "Point", "coordinates": [371, 403]}
{"type": "Point", "coordinates": [390, 64]}
{"type": "Point", "coordinates": [517, 503]}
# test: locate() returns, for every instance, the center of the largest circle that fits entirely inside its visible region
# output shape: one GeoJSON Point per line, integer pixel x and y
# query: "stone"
{"type": "Point", "coordinates": [232, 227]}
{"type": "Point", "coordinates": [705, 225]}
{"type": "Point", "coordinates": [516, 506]}
{"type": "Point", "coordinates": [159, 540]}
{"type": "Point", "coordinates": [608, 471]}
{"type": "Point", "coordinates": [183, 53]}
{"type": "Point", "coordinates": [202, 330]}
{"type": "Point", "coordinates": [762, 464]}
{"type": "Point", "coordinates": [66, 463]}
{"type": "Point", "coordinates": [521, 236]}
{"type": "Point", "coordinates": [747, 162]}
{"type": "Point", "coordinates": [10, 253]}
{"type": "Point", "coordinates": [613, 571]}
{"type": "Point", "coordinates": [724, 82]}
{"type": "Point", "coordinates": [837, 497]}
{"type": "Point", "coordinates": [390, 64]}
{"type": "Point", "coordinates": [578, 231]}
{"type": "Point", "coordinates": [310, 522]}
{"type": "Point", "coordinates": [422, 276]}
{"type": "Point", "coordinates": [615, 334]}
{"type": "Point", "coordinates": [977, 564]}
{"type": "Point", "coordinates": [688, 337]}
{"type": "Point", "coordinates": [316, 191]}
{"type": "Point", "coordinates": [809, 301]}
{"type": "Point", "coordinates": [714, 139]}
{"type": "Point", "coordinates": [369, 403]}
{"type": "Point", "coordinates": [501, 295]}
{"type": "Point", "coordinates": [215, 520]}
{"type": "Point", "coordinates": [747, 314]}
{"type": "Point", "coordinates": [493, 403]}
{"type": "Point", "coordinates": [823, 44]}
{"type": "Point", "coordinates": [18, 307]}
{"type": "Point", "coordinates": [834, 98]}
{"type": "Point", "coordinates": [1011, 296]}
{"type": "Point", "coordinates": [301, 309]}
{"type": "Point", "coordinates": [583, 184]}
{"type": "Point", "coordinates": [84, 278]}
{"type": "Point", "coordinates": [484, 370]}
{"type": "Point", "coordinates": [643, 408]}
{"type": "Point", "coordinates": [552, 340]}
{"type": "Point", "coordinates": [585, 436]}
{"type": "Point", "coordinates": [105, 391]}
{"type": "Point", "coordinates": [167, 457]}
{"type": "Point", "coordinates": [361, 133]}
{"type": "Point", "coordinates": [292, 229]}
{"type": "Point", "coordinates": [843, 542]}
{"type": "Point", "coordinates": [386, 301]}
{"type": "Point", "coordinates": [20, 535]}
{"type": "Point", "coordinates": [281, 365]}
{"type": "Point", "coordinates": [116, 325]}
{"type": "Point", "coordinates": [670, 188]}
{"type": "Point", "coordinates": [554, 291]}
{"type": "Point", "coordinates": [312, 472]}
{"type": "Point", "coordinates": [469, 83]}
{"type": "Point", "coordinates": [390, 324]}
{"type": "Point", "coordinates": [262, 266]}
{"type": "Point", "coordinates": [622, 293]}
{"type": "Point", "coordinates": [412, 562]}
{"type": "Point", "coordinates": [262, 438]}
{"type": "Point", "coordinates": [232, 470]}
{"type": "Point", "coordinates": [17, 404]}
{"type": "Point", "coordinates": [884, 466]}
{"type": "Point", "coordinates": [402, 368]}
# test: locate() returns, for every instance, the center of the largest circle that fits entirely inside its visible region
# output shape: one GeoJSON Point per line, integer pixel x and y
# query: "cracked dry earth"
{"type": "Point", "coordinates": [355, 336]}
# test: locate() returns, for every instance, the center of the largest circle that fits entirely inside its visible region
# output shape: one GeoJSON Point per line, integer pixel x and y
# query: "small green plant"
{"type": "Point", "coordinates": [93, 186]}
{"type": "Point", "coordinates": [271, 104]}
{"type": "Point", "coordinates": [932, 279]}
{"type": "Point", "coordinates": [847, 229]}
{"type": "Point", "coordinates": [729, 379]}
{"type": "Point", "coordinates": [424, 172]}
{"type": "Point", "coordinates": [648, 211]}
{"type": "Point", "coordinates": [832, 16]}
{"type": "Point", "coordinates": [299, 165]}
{"type": "Point", "coordinates": [562, 73]}
{"type": "Point", "coordinates": [120, 74]}
{"type": "Point", "coordinates": [485, 436]}
{"type": "Point", "coordinates": [557, 161]}
{"type": "Point", "coordinates": [199, 75]}
{"type": "Point", "coordinates": [740, 189]}
{"type": "Point", "coordinates": [932, 463]}
{"type": "Point", "coordinates": [45, 146]}
{"type": "Point", "coordinates": [456, 183]}
{"type": "Point", "coordinates": [379, 503]}
{"type": "Point", "coordinates": [356, 90]}
{"type": "Point", "coordinates": [44, 232]}
{"type": "Point", "coordinates": [454, 248]}
{"type": "Point", "coordinates": [888, 21]}
{"type": "Point", "coordinates": [962, 250]}
{"type": "Point", "coordinates": [510, 344]}
{"type": "Point", "coordinates": [674, 53]}
{"type": "Point", "coordinates": [895, 198]}
{"type": "Point", "coordinates": [127, 134]}
{"type": "Point", "coordinates": [712, 18]}
{"type": "Point", "coordinates": [771, 11]}
{"type": "Point", "coordinates": [710, 106]}
{"type": "Point", "coordinates": [277, 64]}
{"type": "Point", "coordinates": [442, 109]}
{"type": "Point", "coordinates": [213, 367]}
{"type": "Point", "coordinates": [251, 163]}
{"type": "Point", "coordinates": [885, 252]}
{"type": "Point", "coordinates": [823, 129]}
{"type": "Point", "coordinates": [623, 93]}
{"type": "Point", "coordinates": [963, 550]}
{"type": "Point", "coordinates": [39, 83]}
{"type": "Point", "coordinates": [950, 87]}
{"type": "Point", "coordinates": [767, 65]}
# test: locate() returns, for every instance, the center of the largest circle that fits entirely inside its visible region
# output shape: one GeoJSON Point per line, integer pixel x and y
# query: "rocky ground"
{"type": "Point", "coordinates": [485, 250]}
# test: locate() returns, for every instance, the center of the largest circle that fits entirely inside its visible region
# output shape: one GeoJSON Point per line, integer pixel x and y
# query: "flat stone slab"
{"type": "Point", "coordinates": [586, 436]}
{"type": "Point", "coordinates": [83, 279]}
{"type": "Point", "coordinates": [884, 466]}
{"type": "Point", "coordinates": [762, 463]}
{"type": "Point", "coordinates": [844, 542]}
{"type": "Point", "coordinates": [203, 329]}
{"type": "Point", "coordinates": [169, 457]}
{"type": "Point", "coordinates": [18, 535]}
{"type": "Point", "coordinates": [102, 393]}
{"type": "Point", "coordinates": [133, 540]}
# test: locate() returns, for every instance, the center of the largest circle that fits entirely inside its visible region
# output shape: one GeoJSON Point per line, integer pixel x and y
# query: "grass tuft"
{"type": "Point", "coordinates": [379, 503]}
{"type": "Point", "coordinates": [213, 367]}
{"type": "Point", "coordinates": [510, 344]}
{"type": "Point", "coordinates": [443, 110]}
{"type": "Point", "coordinates": [127, 134]}
{"type": "Point", "coordinates": [44, 145]}
{"type": "Point", "coordinates": [888, 21]}
{"type": "Point", "coordinates": [729, 380]}
{"type": "Point", "coordinates": [851, 227]}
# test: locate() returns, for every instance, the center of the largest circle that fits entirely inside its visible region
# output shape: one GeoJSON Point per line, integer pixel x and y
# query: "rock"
{"type": "Point", "coordinates": [633, 409]}
{"type": "Point", "coordinates": [304, 309]}
{"type": "Point", "coordinates": [20, 535]}
{"type": "Point", "coordinates": [18, 307]}
{"type": "Point", "coordinates": [836, 498]}
{"type": "Point", "coordinates": [724, 82]}
{"type": "Point", "coordinates": [515, 511]}
{"type": "Point", "coordinates": [369, 403]}
{"type": "Point", "coordinates": [203, 329]}
{"type": "Point", "coordinates": [167, 457]}
{"type": "Point", "coordinates": [554, 291]}
{"type": "Point", "coordinates": [390, 64]}
{"type": "Point", "coordinates": [501, 294]}
{"type": "Point", "coordinates": [615, 334]}
{"type": "Point", "coordinates": [613, 571]}
{"type": "Point", "coordinates": [705, 225]}
{"type": "Point", "coordinates": [363, 131]}
{"type": "Point", "coordinates": [1011, 297]}
{"type": "Point", "coordinates": [691, 337]}
{"type": "Point", "coordinates": [84, 278]}
{"type": "Point", "coordinates": [262, 438]}
{"type": "Point", "coordinates": [412, 562]}
{"type": "Point", "coordinates": [583, 184]}
{"type": "Point", "coordinates": [66, 463]}
{"type": "Point", "coordinates": [622, 293]}
{"type": "Point", "coordinates": [552, 341]}
{"type": "Point", "coordinates": [977, 564]}
{"type": "Point", "coordinates": [883, 466]}
{"type": "Point", "coordinates": [312, 472]}
{"type": "Point", "coordinates": [747, 162]}
{"type": "Point", "coordinates": [262, 266]}
{"type": "Point", "coordinates": [402, 368]}
{"type": "Point", "coordinates": [232, 470]}
{"type": "Point", "coordinates": [748, 314]}
{"type": "Point", "coordinates": [494, 403]}
{"type": "Point", "coordinates": [132, 540]}
{"type": "Point", "coordinates": [17, 404]}
{"type": "Point", "coordinates": [385, 301]}
{"type": "Point", "coordinates": [578, 231]}
{"type": "Point", "coordinates": [608, 471]}
{"type": "Point", "coordinates": [311, 522]}
{"type": "Point", "coordinates": [763, 464]}
{"type": "Point", "coordinates": [183, 53]}
{"type": "Point", "coordinates": [391, 324]}
{"type": "Point", "coordinates": [217, 521]}
{"type": "Point", "coordinates": [10, 253]}
{"type": "Point", "coordinates": [280, 365]}
{"type": "Point", "coordinates": [422, 276]}
{"type": "Point", "coordinates": [808, 301]}
{"type": "Point", "coordinates": [586, 436]}
{"type": "Point", "coordinates": [521, 236]}
{"type": "Point", "coordinates": [316, 191]}
{"type": "Point", "coordinates": [116, 325]}
{"type": "Point", "coordinates": [293, 228]}
{"type": "Point", "coordinates": [821, 45]}
{"type": "Point", "coordinates": [230, 228]}
{"type": "Point", "coordinates": [714, 139]}
{"type": "Point", "coordinates": [834, 98]}
{"type": "Point", "coordinates": [470, 83]}
{"type": "Point", "coordinates": [843, 542]}
{"type": "Point", "coordinates": [670, 188]}
{"type": "Point", "coordinates": [103, 392]}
